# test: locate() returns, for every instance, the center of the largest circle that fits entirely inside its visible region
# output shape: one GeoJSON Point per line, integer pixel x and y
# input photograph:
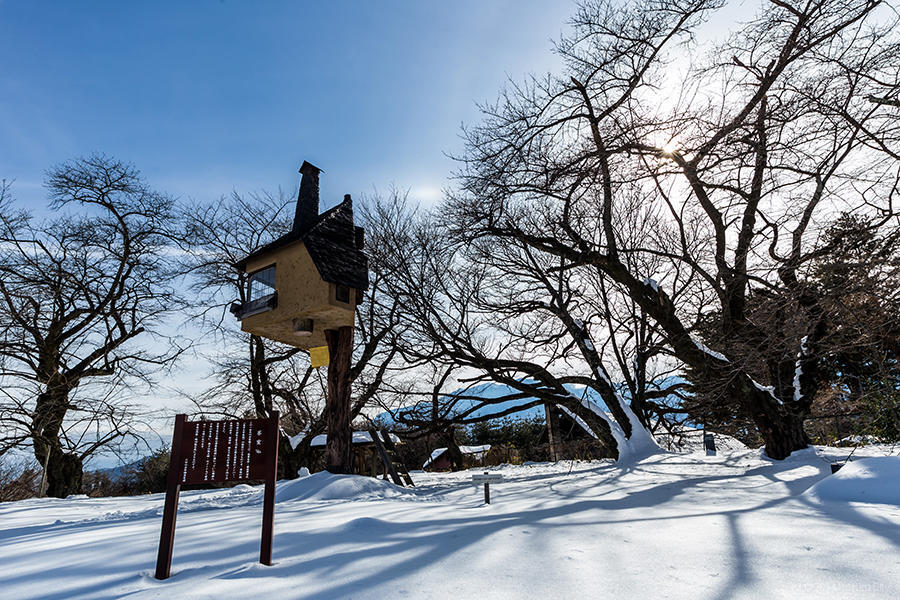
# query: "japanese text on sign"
{"type": "Point", "coordinates": [216, 451]}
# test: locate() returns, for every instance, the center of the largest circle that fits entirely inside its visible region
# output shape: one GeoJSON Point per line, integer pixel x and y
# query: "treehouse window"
{"type": "Point", "coordinates": [342, 293]}
{"type": "Point", "coordinates": [262, 283]}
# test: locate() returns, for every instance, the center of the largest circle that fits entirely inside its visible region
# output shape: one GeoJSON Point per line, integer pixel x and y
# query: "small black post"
{"type": "Point", "coordinates": [268, 522]}
{"type": "Point", "coordinates": [487, 491]}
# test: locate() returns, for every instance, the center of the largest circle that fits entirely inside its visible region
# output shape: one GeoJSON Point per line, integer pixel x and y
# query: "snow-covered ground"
{"type": "Point", "coordinates": [734, 525]}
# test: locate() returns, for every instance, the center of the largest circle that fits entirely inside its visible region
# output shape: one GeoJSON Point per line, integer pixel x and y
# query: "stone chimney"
{"type": "Point", "coordinates": [308, 198]}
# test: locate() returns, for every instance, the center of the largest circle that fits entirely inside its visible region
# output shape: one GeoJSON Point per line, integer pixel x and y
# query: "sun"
{"type": "Point", "coordinates": [671, 147]}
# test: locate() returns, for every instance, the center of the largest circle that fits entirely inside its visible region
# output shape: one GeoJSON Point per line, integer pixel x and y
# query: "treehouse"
{"type": "Point", "coordinates": [311, 278]}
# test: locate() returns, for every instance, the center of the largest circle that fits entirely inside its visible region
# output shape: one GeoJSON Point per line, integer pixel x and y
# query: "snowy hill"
{"type": "Point", "coordinates": [733, 526]}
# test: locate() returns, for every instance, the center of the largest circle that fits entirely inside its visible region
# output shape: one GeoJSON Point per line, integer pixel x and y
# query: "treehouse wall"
{"type": "Point", "coordinates": [302, 294]}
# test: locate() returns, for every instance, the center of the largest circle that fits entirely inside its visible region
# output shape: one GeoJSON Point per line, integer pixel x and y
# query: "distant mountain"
{"type": "Point", "coordinates": [125, 456]}
{"type": "Point", "coordinates": [117, 473]}
{"type": "Point", "coordinates": [494, 390]}
{"type": "Point", "coordinates": [497, 390]}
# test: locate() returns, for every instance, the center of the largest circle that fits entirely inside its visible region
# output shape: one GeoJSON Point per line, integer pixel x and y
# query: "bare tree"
{"type": "Point", "coordinates": [507, 313]}
{"type": "Point", "coordinates": [82, 296]}
{"type": "Point", "coordinates": [251, 375]}
{"type": "Point", "coordinates": [764, 139]}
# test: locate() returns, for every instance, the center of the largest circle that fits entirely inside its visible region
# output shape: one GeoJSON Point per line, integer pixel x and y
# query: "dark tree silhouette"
{"type": "Point", "coordinates": [80, 298]}
{"type": "Point", "coordinates": [745, 158]}
{"type": "Point", "coordinates": [506, 313]}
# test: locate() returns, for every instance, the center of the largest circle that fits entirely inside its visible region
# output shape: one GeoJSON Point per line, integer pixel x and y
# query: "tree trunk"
{"type": "Point", "coordinates": [784, 435]}
{"type": "Point", "coordinates": [454, 454]}
{"type": "Point", "coordinates": [337, 403]}
{"type": "Point", "coordinates": [780, 427]}
{"type": "Point", "coordinates": [259, 383]}
{"type": "Point", "coordinates": [64, 474]}
{"type": "Point", "coordinates": [64, 471]}
{"type": "Point", "coordinates": [553, 438]}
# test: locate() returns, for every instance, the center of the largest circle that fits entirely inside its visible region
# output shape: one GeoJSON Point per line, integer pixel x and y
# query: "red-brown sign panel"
{"type": "Point", "coordinates": [215, 451]}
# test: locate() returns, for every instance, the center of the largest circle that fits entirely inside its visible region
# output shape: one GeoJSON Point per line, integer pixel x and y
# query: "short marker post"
{"type": "Point", "coordinates": [486, 479]}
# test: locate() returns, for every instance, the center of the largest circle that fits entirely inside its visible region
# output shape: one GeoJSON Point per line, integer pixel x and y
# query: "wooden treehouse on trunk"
{"type": "Point", "coordinates": [308, 281]}
{"type": "Point", "coordinates": [302, 290]}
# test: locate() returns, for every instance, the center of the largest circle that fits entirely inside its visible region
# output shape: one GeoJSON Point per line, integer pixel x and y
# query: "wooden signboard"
{"type": "Point", "coordinates": [214, 452]}
{"type": "Point", "coordinates": [486, 479]}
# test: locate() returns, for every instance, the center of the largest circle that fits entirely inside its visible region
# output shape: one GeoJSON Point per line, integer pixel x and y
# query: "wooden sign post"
{"type": "Point", "coordinates": [214, 452]}
{"type": "Point", "coordinates": [487, 478]}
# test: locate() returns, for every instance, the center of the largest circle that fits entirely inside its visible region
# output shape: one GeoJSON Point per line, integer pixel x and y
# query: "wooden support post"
{"type": "Point", "coordinates": [388, 462]}
{"type": "Point", "coordinates": [173, 489]}
{"type": "Point", "coordinates": [552, 431]}
{"type": "Point", "coordinates": [487, 492]}
{"type": "Point", "coordinates": [337, 403]}
{"type": "Point", "coordinates": [268, 523]}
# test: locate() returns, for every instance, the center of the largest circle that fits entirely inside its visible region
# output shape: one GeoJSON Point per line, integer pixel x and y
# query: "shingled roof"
{"type": "Point", "coordinates": [335, 245]}
{"type": "Point", "coordinates": [332, 240]}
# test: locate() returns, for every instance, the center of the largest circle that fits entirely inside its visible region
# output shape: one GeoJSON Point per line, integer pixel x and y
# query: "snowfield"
{"type": "Point", "coordinates": [735, 525]}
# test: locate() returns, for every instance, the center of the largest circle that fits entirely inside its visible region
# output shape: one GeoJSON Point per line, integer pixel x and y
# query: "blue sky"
{"type": "Point", "coordinates": [209, 96]}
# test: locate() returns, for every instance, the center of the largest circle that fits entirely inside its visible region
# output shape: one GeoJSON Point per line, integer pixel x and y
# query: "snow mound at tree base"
{"type": "Point", "coordinates": [875, 480]}
{"type": "Point", "coordinates": [328, 486]}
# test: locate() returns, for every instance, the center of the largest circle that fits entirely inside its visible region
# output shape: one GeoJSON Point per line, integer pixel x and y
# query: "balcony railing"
{"type": "Point", "coordinates": [254, 307]}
